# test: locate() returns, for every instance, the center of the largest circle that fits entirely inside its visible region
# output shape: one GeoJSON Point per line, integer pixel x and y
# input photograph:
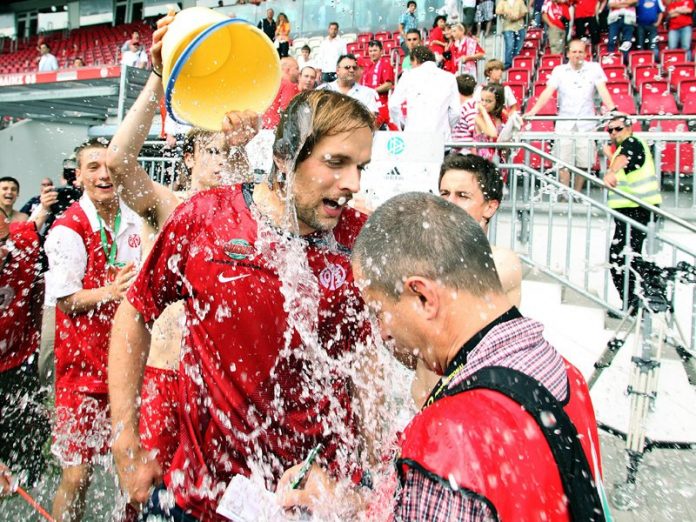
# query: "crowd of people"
{"type": "Point", "coordinates": [237, 325]}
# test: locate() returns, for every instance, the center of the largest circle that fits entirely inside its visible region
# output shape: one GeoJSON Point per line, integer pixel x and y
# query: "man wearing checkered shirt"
{"type": "Point", "coordinates": [509, 431]}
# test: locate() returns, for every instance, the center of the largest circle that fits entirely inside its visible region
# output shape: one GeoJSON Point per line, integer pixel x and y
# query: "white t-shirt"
{"type": "Point", "coordinates": [329, 53]}
{"type": "Point", "coordinates": [134, 58]}
{"type": "Point", "coordinates": [431, 97]}
{"type": "Point", "coordinates": [48, 63]}
{"type": "Point", "coordinates": [366, 95]}
{"type": "Point", "coordinates": [576, 89]}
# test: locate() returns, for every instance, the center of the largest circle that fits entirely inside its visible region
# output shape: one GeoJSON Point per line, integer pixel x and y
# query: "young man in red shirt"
{"type": "Point", "coordinates": [679, 22]}
{"type": "Point", "coordinates": [24, 423]}
{"type": "Point", "coordinates": [271, 312]}
{"type": "Point", "coordinates": [585, 19]}
{"type": "Point", "coordinates": [92, 251]}
{"type": "Point", "coordinates": [379, 75]}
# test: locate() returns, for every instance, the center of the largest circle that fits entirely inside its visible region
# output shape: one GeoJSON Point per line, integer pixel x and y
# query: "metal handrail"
{"type": "Point", "coordinates": [606, 117]}
{"type": "Point", "coordinates": [667, 216]}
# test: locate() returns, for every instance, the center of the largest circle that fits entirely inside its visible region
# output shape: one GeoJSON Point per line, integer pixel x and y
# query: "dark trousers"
{"type": "Point", "coordinates": [155, 508]}
{"type": "Point", "coordinates": [587, 26]}
{"type": "Point", "coordinates": [24, 422]}
{"type": "Point", "coordinates": [283, 49]}
{"type": "Point", "coordinates": [616, 256]}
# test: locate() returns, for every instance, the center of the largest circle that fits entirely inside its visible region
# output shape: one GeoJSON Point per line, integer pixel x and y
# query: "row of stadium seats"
{"type": "Point", "coordinates": [96, 45]}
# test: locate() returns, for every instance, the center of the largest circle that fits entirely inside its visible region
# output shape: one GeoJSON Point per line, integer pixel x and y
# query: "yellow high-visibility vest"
{"type": "Point", "coordinates": [641, 183]}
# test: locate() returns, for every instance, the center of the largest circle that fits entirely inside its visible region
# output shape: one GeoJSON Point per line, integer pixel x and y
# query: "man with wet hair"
{"type": "Point", "coordinates": [270, 313]}
{"type": "Point", "coordinates": [92, 252]}
{"type": "Point", "coordinates": [483, 448]}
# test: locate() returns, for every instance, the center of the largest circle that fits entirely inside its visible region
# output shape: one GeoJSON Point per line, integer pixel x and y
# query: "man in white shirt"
{"type": "Point", "coordinates": [330, 50]}
{"type": "Point", "coordinates": [346, 83]}
{"type": "Point", "coordinates": [135, 56]}
{"type": "Point", "coordinates": [576, 82]}
{"type": "Point", "coordinates": [431, 96]}
{"type": "Point", "coordinates": [47, 62]}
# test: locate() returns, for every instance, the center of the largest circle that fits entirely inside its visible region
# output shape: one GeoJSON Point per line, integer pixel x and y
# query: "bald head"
{"type": "Point", "coordinates": [289, 69]}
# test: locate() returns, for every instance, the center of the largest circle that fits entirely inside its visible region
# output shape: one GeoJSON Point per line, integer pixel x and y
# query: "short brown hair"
{"type": "Point", "coordinates": [92, 143]}
{"type": "Point", "coordinates": [313, 115]}
{"type": "Point", "coordinates": [491, 65]}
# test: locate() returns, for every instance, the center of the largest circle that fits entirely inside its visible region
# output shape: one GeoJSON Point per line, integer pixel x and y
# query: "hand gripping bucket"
{"type": "Point", "coordinates": [212, 64]}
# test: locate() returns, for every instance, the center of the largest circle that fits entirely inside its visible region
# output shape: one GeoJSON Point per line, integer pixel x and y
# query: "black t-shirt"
{"type": "Point", "coordinates": [634, 152]}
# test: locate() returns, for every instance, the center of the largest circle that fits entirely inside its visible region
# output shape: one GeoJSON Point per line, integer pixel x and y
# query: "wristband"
{"type": "Point", "coordinates": [157, 73]}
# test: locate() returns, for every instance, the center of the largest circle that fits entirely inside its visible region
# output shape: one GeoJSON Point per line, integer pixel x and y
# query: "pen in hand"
{"type": "Point", "coordinates": [306, 466]}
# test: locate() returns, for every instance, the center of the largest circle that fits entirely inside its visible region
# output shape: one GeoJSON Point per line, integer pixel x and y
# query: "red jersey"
{"type": "Point", "coordinates": [377, 73]}
{"type": "Point", "coordinates": [287, 91]}
{"type": "Point", "coordinates": [82, 339]}
{"type": "Point", "coordinates": [249, 397]}
{"type": "Point", "coordinates": [20, 296]}
{"type": "Point", "coordinates": [556, 12]}
{"type": "Point", "coordinates": [682, 20]}
{"type": "Point", "coordinates": [585, 8]}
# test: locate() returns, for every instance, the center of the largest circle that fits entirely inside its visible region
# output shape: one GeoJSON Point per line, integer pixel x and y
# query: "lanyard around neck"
{"type": "Point", "coordinates": [110, 252]}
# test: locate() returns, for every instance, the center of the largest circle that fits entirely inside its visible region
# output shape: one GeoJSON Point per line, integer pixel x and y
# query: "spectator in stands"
{"type": "Point", "coordinates": [135, 56]}
{"type": "Point", "coordinates": [466, 50]}
{"type": "Point", "coordinates": [282, 35]}
{"type": "Point", "coordinates": [290, 74]}
{"type": "Point", "coordinates": [379, 75]}
{"type": "Point", "coordinates": [513, 13]}
{"type": "Point", "coordinates": [92, 252]}
{"type": "Point", "coordinates": [465, 129]}
{"type": "Point", "coordinates": [447, 61]}
{"type": "Point", "coordinates": [649, 15]}
{"type": "Point", "coordinates": [47, 62]}
{"type": "Point", "coordinates": [308, 78]}
{"type": "Point", "coordinates": [408, 21]}
{"type": "Point", "coordinates": [303, 60]}
{"type": "Point", "coordinates": [78, 62]}
{"type": "Point", "coordinates": [622, 22]}
{"type": "Point", "coordinates": [468, 14]}
{"type": "Point", "coordinates": [330, 50]}
{"type": "Point", "coordinates": [430, 94]}
{"type": "Point", "coordinates": [556, 16]}
{"type": "Point", "coordinates": [484, 17]}
{"type": "Point", "coordinates": [134, 39]}
{"type": "Point", "coordinates": [268, 25]}
{"type": "Point", "coordinates": [632, 171]}
{"type": "Point", "coordinates": [576, 83]}
{"type": "Point", "coordinates": [35, 201]}
{"type": "Point", "coordinates": [585, 19]}
{"type": "Point", "coordinates": [494, 74]}
{"type": "Point", "coordinates": [413, 40]}
{"type": "Point", "coordinates": [9, 192]}
{"type": "Point", "coordinates": [436, 38]}
{"type": "Point", "coordinates": [345, 83]}
{"type": "Point", "coordinates": [490, 119]}
{"type": "Point", "coordinates": [679, 22]}
{"type": "Point", "coordinates": [24, 423]}
{"type": "Point", "coordinates": [536, 17]}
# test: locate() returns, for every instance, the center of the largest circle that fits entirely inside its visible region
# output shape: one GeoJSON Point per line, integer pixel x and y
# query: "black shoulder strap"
{"type": "Point", "coordinates": [584, 501]}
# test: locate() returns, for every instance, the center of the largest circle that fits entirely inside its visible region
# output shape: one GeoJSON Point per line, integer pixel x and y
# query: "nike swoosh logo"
{"type": "Point", "coordinates": [224, 279]}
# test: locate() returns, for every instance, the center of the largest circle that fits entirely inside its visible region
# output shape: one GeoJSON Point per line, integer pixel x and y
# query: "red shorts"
{"type": "Point", "coordinates": [83, 426]}
{"type": "Point", "coordinates": [159, 413]}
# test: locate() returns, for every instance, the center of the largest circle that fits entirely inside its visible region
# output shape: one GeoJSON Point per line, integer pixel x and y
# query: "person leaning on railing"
{"type": "Point", "coordinates": [631, 171]}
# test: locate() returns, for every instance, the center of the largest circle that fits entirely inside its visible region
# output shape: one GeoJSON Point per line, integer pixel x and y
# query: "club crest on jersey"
{"type": "Point", "coordinates": [332, 277]}
{"type": "Point", "coordinates": [239, 249]}
{"type": "Point", "coordinates": [134, 241]}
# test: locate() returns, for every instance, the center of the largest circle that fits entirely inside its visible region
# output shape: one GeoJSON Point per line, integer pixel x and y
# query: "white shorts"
{"type": "Point", "coordinates": [576, 151]}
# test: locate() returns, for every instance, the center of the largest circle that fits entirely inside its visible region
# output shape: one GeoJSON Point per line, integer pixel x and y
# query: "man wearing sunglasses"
{"type": "Point", "coordinates": [631, 171]}
{"type": "Point", "coordinates": [346, 83]}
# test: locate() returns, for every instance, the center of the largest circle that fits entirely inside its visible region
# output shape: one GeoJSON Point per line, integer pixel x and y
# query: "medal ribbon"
{"type": "Point", "coordinates": [110, 252]}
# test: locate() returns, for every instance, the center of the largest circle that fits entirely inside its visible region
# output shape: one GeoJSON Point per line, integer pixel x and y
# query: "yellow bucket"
{"type": "Point", "coordinates": [212, 64]}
